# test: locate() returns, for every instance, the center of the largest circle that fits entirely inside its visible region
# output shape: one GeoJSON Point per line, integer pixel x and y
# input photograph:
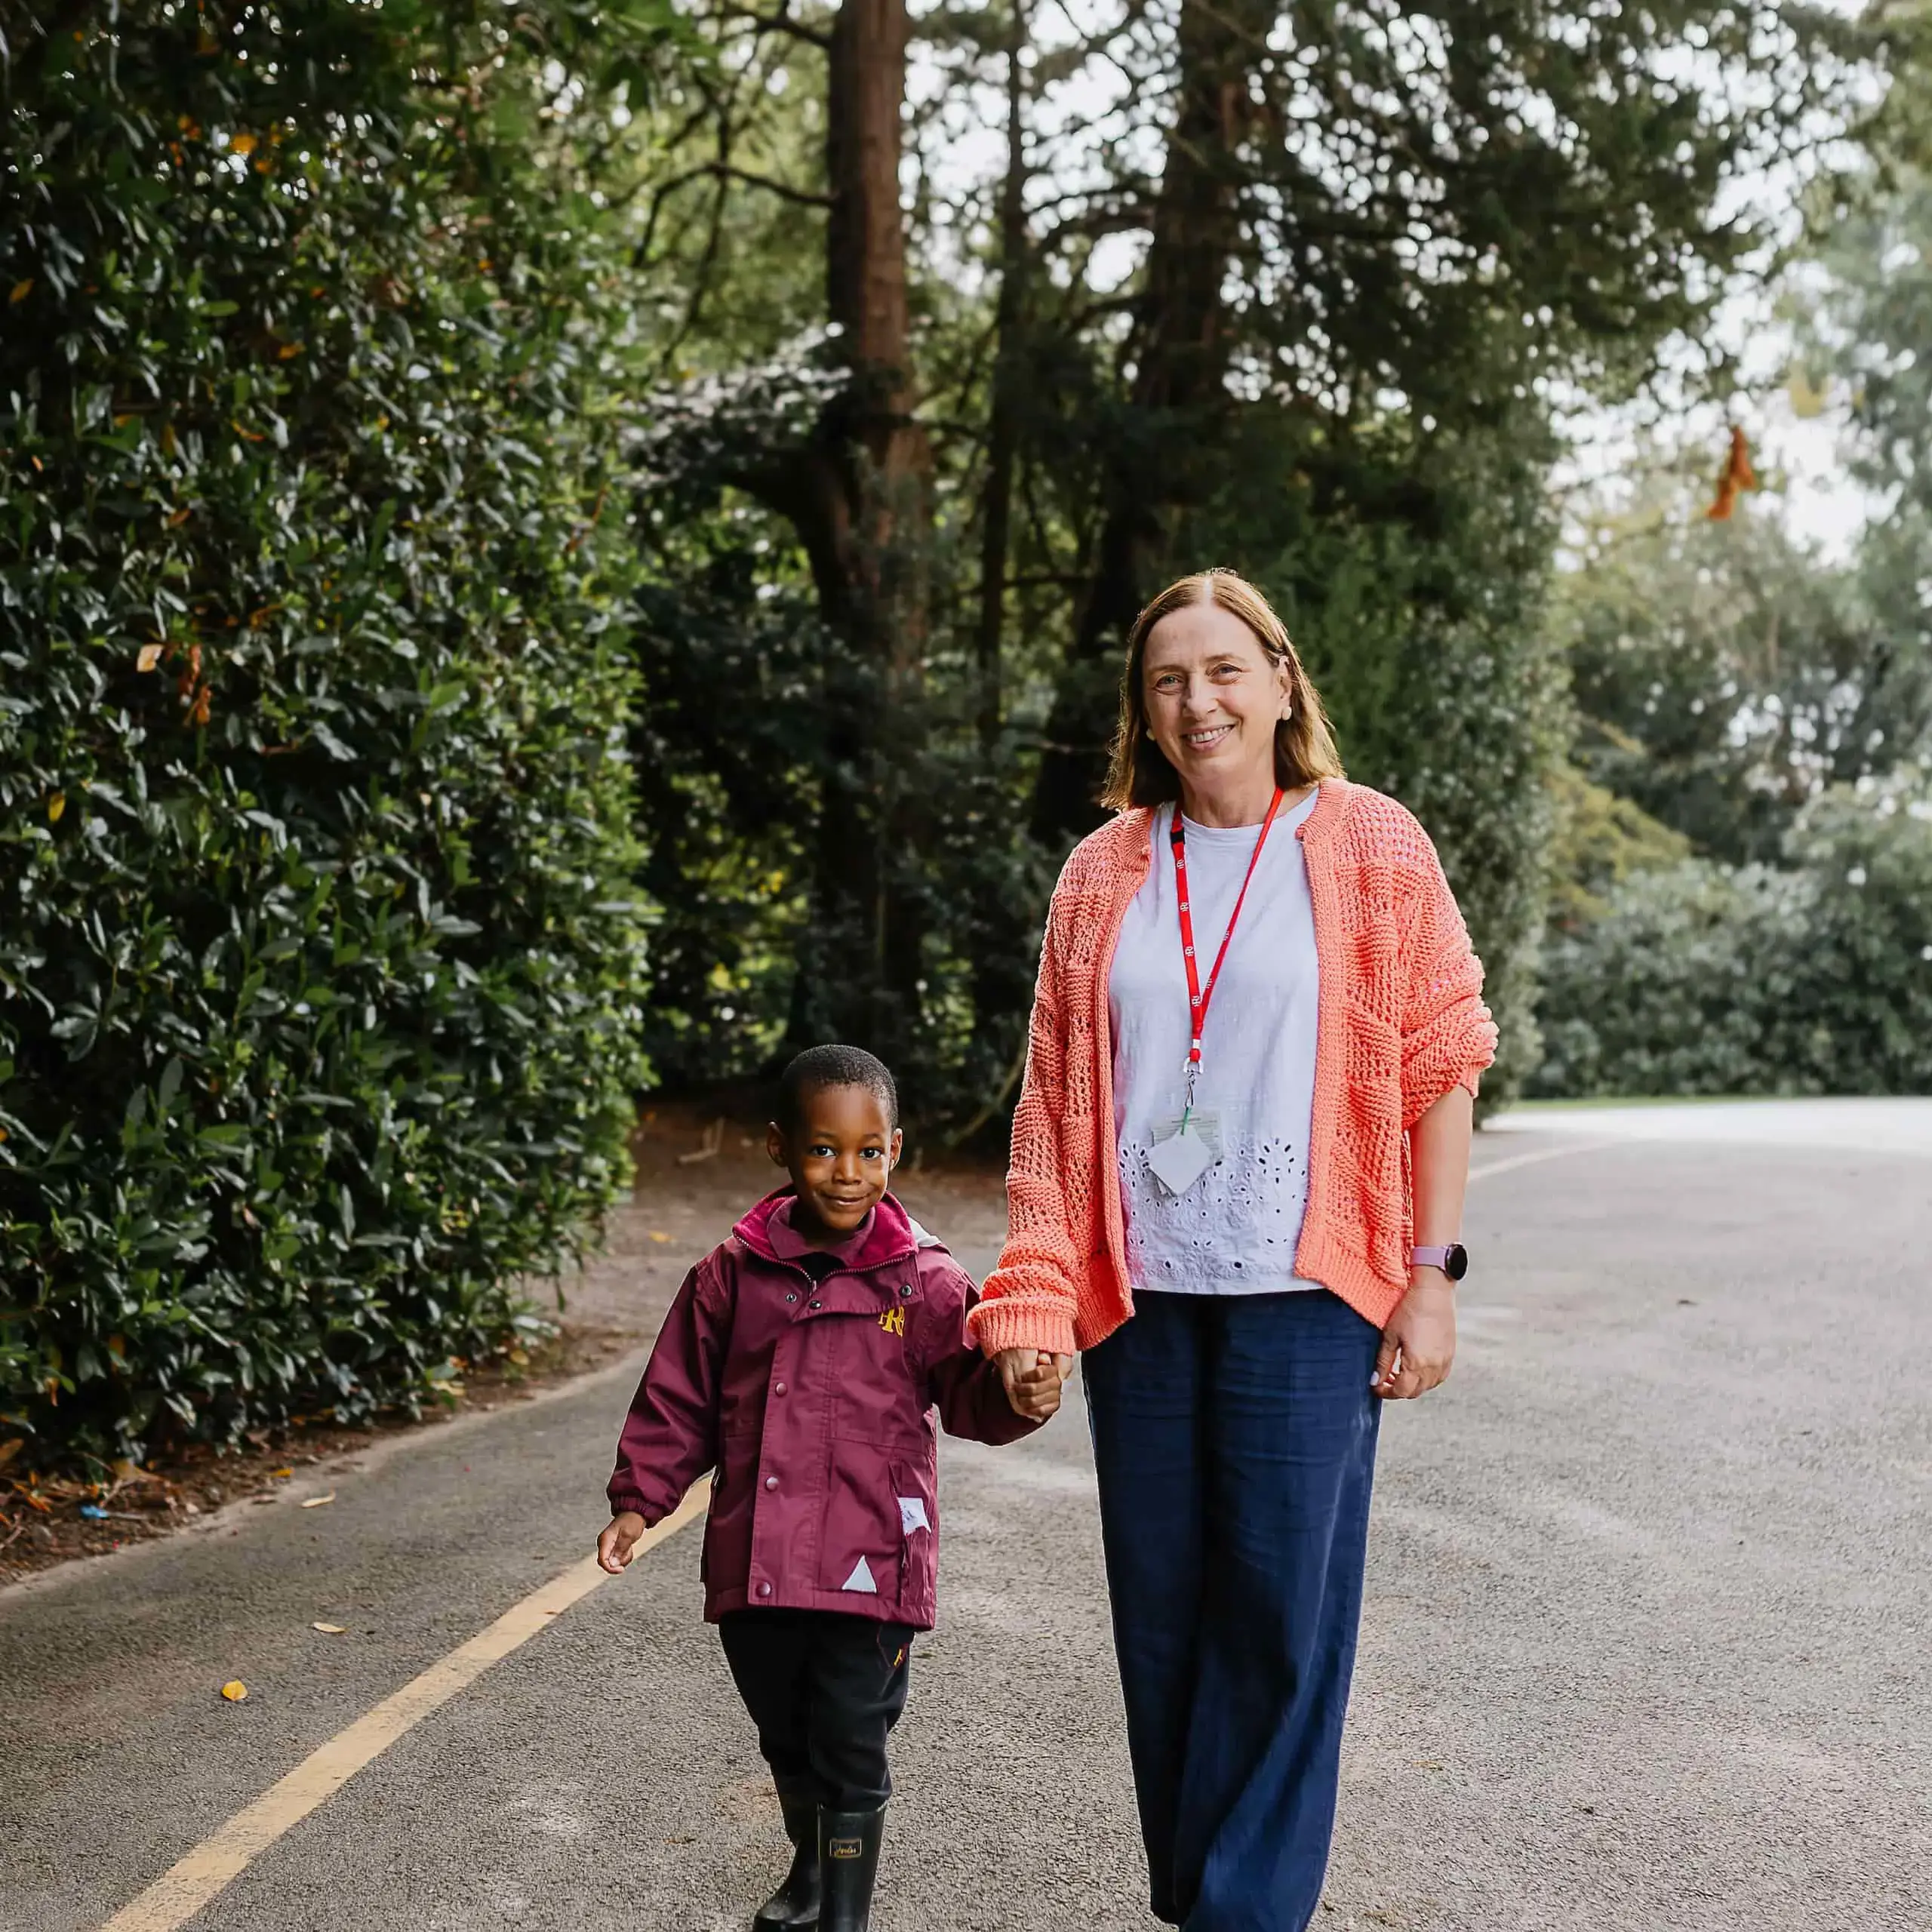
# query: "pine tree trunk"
{"type": "Point", "coordinates": [1003, 426]}
{"type": "Point", "coordinates": [864, 514]}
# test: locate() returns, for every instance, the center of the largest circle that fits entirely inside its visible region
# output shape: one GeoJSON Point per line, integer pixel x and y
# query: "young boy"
{"type": "Point", "coordinates": [802, 1361]}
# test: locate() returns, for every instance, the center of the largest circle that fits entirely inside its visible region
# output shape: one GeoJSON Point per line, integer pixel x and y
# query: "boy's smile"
{"type": "Point", "coordinates": [840, 1153]}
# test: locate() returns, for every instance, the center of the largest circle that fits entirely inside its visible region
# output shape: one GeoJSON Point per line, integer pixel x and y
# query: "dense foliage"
{"type": "Point", "coordinates": [1288, 287]}
{"type": "Point", "coordinates": [1813, 976]}
{"type": "Point", "coordinates": [1744, 859]}
{"type": "Point", "coordinates": [1723, 674]}
{"type": "Point", "coordinates": [319, 936]}
{"type": "Point", "coordinates": [479, 482]}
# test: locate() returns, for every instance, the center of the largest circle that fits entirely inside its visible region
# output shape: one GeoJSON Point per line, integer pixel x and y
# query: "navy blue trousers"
{"type": "Point", "coordinates": [1235, 1437]}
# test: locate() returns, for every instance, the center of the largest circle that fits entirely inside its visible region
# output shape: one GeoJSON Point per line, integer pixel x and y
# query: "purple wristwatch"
{"type": "Point", "coordinates": [1453, 1259]}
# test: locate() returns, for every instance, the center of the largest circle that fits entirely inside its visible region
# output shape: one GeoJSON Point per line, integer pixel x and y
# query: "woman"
{"type": "Point", "coordinates": [1238, 1163]}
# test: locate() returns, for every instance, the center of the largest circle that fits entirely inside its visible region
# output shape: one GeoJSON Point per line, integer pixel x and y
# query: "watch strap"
{"type": "Point", "coordinates": [1435, 1257]}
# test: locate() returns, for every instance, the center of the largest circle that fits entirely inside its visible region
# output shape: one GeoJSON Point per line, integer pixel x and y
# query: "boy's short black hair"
{"type": "Point", "coordinates": [834, 1067]}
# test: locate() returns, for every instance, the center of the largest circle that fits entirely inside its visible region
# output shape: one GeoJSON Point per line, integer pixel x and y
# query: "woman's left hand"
{"type": "Point", "coordinates": [1419, 1344]}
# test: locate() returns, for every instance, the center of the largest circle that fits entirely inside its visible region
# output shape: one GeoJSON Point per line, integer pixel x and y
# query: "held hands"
{"type": "Point", "coordinates": [618, 1544]}
{"type": "Point", "coordinates": [1033, 1378]}
{"type": "Point", "coordinates": [1419, 1343]}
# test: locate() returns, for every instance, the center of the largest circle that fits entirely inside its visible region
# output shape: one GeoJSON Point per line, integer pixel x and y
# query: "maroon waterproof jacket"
{"type": "Point", "coordinates": [812, 1400]}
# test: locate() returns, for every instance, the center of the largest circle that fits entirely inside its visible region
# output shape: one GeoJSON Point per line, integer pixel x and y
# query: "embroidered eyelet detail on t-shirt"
{"type": "Point", "coordinates": [1241, 1221]}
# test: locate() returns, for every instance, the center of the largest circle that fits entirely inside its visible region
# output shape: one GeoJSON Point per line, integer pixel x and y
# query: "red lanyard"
{"type": "Point", "coordinates": [1198, 995]}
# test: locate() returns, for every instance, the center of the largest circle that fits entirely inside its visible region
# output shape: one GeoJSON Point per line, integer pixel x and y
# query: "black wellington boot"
{"type": "Point", "coordinates": [794, 1905]}
{"type": "Point", "coordinates": [848, 1843]}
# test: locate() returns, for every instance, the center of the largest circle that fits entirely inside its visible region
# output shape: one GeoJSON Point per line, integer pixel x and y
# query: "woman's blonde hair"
{"type": "Point", "coordinates": [1138, 773]}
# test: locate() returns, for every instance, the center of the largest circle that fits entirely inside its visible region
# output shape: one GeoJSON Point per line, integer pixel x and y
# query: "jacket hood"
{"type": "Point", "coordinates": [888, 1233]}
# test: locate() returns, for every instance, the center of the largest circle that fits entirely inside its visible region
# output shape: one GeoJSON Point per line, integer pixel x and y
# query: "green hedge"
{"type": "Point", "coordinates": [1814, 977]}
{"type": "Point", "coordinates": [317, 936]}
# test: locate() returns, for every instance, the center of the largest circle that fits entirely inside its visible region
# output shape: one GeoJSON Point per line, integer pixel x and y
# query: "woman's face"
{"type": "Point", "coordinates": [1214, 696]}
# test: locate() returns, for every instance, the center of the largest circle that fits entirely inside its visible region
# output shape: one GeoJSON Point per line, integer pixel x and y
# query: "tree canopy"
{"type": "Point", "coordinates": [549, 549]}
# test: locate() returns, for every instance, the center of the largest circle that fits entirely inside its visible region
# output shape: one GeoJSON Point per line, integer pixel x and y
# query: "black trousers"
{"type": "Point", "coordinates": [824, 1689]}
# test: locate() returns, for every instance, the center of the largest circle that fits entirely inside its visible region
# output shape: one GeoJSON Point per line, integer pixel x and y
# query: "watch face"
{"type": "Point", "coordinates": [1455, 1261]}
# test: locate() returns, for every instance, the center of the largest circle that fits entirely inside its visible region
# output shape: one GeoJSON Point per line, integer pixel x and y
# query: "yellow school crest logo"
{"type": "Point", "coordinates": [894, 1321]}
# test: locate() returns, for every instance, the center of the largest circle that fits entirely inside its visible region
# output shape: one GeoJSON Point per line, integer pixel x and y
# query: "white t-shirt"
{"type": "Point", "coordinates": [1234, 1231]}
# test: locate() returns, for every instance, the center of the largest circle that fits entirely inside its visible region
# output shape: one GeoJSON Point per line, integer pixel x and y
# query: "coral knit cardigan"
{"type": "Point", "coordinates": [1400, 1021]}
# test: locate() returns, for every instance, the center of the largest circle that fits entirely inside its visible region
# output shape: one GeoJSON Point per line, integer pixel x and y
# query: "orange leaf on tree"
{"type": "Point", "coordinates": [1736, 475]}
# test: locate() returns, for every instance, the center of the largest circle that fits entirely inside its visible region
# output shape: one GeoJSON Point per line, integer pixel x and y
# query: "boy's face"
{"type": "Point", "coordinates": [840, 1156]}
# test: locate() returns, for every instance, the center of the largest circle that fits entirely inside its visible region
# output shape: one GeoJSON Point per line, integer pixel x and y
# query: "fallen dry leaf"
{"type": "Point", "coordinates": [235, 1690]}
{"type": "Point", "coordinates": [658, 1234]}
{"type": "Point", "coordinates": [279, 1473]}
{"type": "Point", "coordinates": [330, 1630]}
{"type": "Point", "coordinates": [316, 1502]}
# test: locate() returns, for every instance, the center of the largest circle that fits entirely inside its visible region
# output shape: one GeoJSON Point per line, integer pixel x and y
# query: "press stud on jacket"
{"type": "Point", "coordinates": [814, 1402]}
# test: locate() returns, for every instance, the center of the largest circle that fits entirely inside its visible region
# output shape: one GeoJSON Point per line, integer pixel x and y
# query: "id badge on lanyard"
{"type": "Point", "coordinates": [1178, 1157]}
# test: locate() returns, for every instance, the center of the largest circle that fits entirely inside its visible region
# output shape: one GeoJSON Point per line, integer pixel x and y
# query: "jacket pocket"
{"type": "Point", "coordinates": [859, 1541]}
{"type": "Point", "coordinates": [915, 1496]}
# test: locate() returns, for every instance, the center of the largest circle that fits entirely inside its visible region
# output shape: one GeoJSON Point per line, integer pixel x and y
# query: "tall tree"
{"type": "Point", "coordinates": [863, 509]}
{"type": "Point", "coordinates": [1372, 218]}
{"type": "Point", "coordinates": [1723, 672]}
{"type": "Point", "coordinates": [852, 474]}
{"type": "Point", "coordinates": [1179, 352]}
{"type": "Point", "coordinates": [1279, 285]}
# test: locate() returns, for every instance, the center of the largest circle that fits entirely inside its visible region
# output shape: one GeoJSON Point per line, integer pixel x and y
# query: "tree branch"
{"type": "Point", "coordinates": [779, 22]}
{"type": "Point", "coordinates": [711, 170]}
{"type": "Point", "coordinates": [805, 197]}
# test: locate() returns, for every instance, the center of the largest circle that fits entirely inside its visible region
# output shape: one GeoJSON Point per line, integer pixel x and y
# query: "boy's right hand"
{"type": "Point", "coordinates": [1033, 1378]}
{"type": "Point", "coordinates": [618, 1544]}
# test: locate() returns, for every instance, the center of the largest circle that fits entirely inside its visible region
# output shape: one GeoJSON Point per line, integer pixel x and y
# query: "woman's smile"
{"type": "Point", "coordinates": [1213, 700]}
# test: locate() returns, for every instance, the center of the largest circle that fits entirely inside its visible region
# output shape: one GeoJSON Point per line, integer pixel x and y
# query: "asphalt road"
{"type": "Point", "coordinates": [1646, 1646]}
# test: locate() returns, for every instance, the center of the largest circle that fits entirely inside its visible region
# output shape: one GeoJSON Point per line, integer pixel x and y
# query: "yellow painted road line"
{"type": "Point", "coordinates": [180, 1892]}
{"type": "Point", "coordinates": [1543, 1153]}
